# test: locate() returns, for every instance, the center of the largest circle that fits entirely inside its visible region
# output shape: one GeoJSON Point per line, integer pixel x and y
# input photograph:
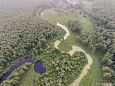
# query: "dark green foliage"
{"type": "Point", "coordinates": [74, 26]}
{"type": "Point", "coordinates": [62, 69]}
{"type": "Point", "coordinates": [26, 39]}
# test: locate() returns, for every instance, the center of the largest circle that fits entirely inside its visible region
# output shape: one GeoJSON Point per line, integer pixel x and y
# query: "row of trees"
{"type": "Point", "coordinates": [105, 43]}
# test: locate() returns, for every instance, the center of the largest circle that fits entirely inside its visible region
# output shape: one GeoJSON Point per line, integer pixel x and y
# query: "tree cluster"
{"type": "Point", "coordinates": [25, 39]}
{"type": "Point", "coordinates": [62, 68]}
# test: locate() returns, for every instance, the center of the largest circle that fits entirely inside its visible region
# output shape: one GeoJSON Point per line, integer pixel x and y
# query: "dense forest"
{"type": "Point", "coordinates": [61, 69]}
{"type": "Point", "coordinates": [25, 40]}
{"type": "Point", "coordinates": [29, 30]}
{"type": "Point", "coordinates": [32, 40]}
{"type": "Point", "coordinates": [30, 36]}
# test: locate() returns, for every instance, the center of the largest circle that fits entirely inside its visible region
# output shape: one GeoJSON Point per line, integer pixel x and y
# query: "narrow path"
{"type": "Point", "coordinates": [86, 68]}
{"type": "Point", "coordinates": [66, 30]}
{"type": "Point", "coordinates": [56, 43]}
{"type": "Point", "coordinates": [71, 52]}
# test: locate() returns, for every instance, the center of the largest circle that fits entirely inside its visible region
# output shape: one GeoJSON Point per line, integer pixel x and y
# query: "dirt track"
{"type": "Point", "coordinates": [71, 52]}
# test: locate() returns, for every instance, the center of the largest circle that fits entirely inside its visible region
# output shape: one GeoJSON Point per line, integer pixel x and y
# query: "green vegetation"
{"type": "Point", "coordinates": [66, 45]}
{"type": "Point", "coordinates": [101, 40]}
{"type": "Point", "coordinates": [85, 24]}
{"type": "Point", "coordinates": [62, 68]}
{"type": "Point", "coordinates": [102, 16]}
{"type": "Point", "coordinates": [28, 78]}
{"type": "Point", "coordinates": [16, 76]}
{"type": "Point", "coordinates": [94, 75]}
{"type": "Point", "coordinates": [34, 36]}
{"type": "Point", "coordinates": [32, 40]}
{"type": "Point", "coordinates": [28, 39]}
{"type": "Point", "coordinates": [61, 17]}
{"type": "Point", "coordinates": [32, 33]}
{"type": "Point", "coordinates": [65, 17]}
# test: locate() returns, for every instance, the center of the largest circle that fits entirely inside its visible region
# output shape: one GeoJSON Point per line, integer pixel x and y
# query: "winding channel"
{"type": "Point", "coordinates": [71, 52]}
{"type": "Point", "coordinates": [18, 64]}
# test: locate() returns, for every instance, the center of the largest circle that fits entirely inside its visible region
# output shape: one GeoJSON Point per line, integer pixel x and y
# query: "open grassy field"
{"type": "Point", "coordinates": [85, 24]}
{"type": "Point", "coordinates": [60, 17]}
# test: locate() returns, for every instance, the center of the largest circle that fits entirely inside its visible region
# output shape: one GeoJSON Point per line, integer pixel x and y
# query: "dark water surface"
{"type": "Point", "coordinates": [38, 67]}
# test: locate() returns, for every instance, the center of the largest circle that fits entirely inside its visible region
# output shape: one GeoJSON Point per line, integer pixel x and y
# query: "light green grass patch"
{"type": "Point", "coordinates": [85, 24]}
{"type": "Point", "coordinates": [27, 80]}
{"type": "Point", "coordinates": [66, 45]}
{"type": "Point", "coordinates": [61, 17]}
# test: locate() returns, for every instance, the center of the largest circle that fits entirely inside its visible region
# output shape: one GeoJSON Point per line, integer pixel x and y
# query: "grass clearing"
{"type": "Point", "coordinates": [66, 45]}
{"type": "Point", "coordinates": [27, 80]}
{"type": "Point", "coordinates": [60, 17]}
{"type": "Point", "coordinates": [85, 24]}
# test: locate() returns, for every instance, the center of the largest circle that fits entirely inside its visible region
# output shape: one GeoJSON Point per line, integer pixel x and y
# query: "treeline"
{"type": "Point", "coordinates": [103, 40]}
{"type": "Point", "coordinates": [25, 39]}
{"type": "Point", "coordinates": [62, 69]}
{"type": "Point", "coordinates": [106, 43]}
{"type": "Point", "coordinates": [103, 16]}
